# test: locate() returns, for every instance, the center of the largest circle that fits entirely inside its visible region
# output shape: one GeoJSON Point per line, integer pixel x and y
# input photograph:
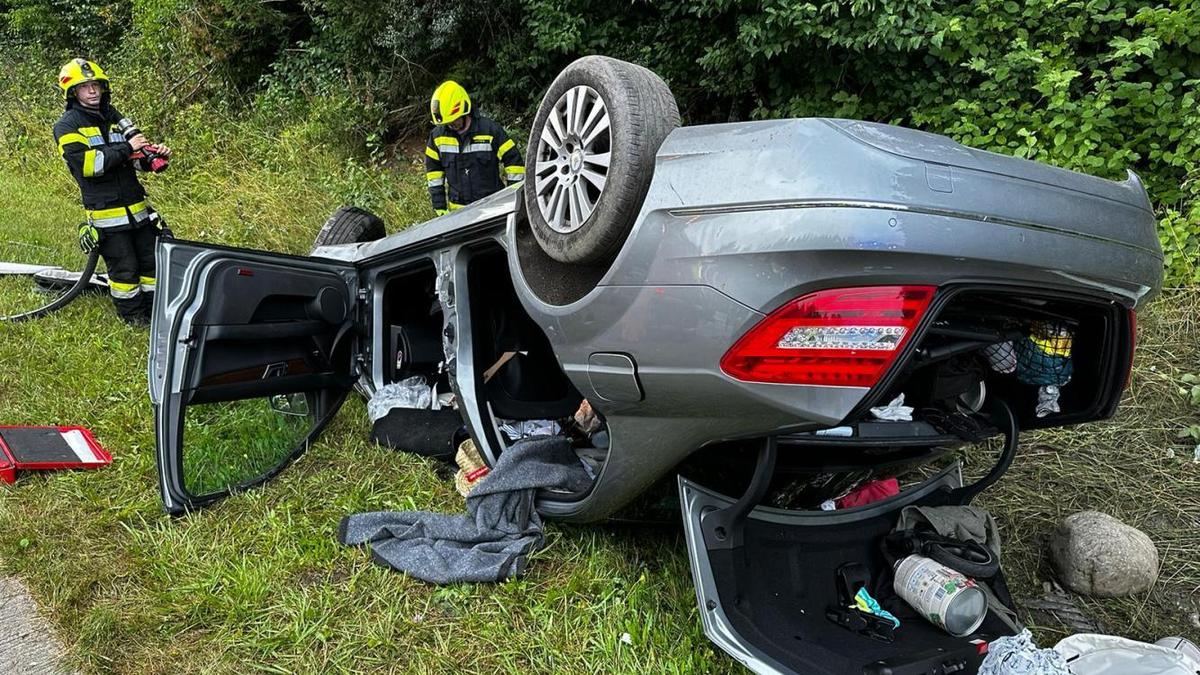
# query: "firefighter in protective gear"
{"type": "Point", "coordinates": [119, 220]}
{"type": "Point", "coordinates": [468, 156]}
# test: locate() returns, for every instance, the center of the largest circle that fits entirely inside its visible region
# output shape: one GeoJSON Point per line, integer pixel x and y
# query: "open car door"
{"type": "Point", "coordinates": [251, 355]}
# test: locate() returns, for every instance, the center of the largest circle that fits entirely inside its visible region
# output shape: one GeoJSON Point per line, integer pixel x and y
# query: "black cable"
{"type": "Point", "coordinates": [968, 557]}
{"type": "Point", "coordinates": [85, 278]}
{"type": "Point", "coordinates": [1002, 416]}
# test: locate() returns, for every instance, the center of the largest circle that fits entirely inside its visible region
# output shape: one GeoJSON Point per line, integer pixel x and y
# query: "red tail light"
{"type": "Point", "coordinates": [844, 337]}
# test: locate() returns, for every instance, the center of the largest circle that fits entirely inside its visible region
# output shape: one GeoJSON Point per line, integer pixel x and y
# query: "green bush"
{"type": "Point", "coordinates": [82, 27]}
{"type": "Point", "coordinates": [1090, 85]}
{"type": "Point", "coordinates": [213, 48]}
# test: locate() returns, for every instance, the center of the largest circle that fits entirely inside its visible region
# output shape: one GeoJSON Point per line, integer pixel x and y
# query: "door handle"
{"type": "Point", "coordinates": [275, 370]}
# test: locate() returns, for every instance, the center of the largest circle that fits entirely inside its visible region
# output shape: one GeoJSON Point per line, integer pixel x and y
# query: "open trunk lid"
{"type": "Point", "coordinates": [766, 579]}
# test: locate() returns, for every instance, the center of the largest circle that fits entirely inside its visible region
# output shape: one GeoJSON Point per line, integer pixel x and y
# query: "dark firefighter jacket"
{"type": "Point", "coordinates": [98, 156]}
{"type": "Point", "coordinates": [460, 169]}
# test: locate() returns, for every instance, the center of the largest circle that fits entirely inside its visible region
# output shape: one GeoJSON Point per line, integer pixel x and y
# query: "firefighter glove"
{"type": "Point", "coordinates": [163, 230]}
{"type": "Point", "coordinates": [89, 237]}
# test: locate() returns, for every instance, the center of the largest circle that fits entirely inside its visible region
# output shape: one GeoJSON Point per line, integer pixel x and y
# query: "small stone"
{"type": "Point", "coordinates": [1096, 554]}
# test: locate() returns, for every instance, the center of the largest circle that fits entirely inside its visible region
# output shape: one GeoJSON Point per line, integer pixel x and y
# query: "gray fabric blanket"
{"type": "Point", "coordinates": [489, 543]}
{"type": "Point", "coordinates": [964, 523]}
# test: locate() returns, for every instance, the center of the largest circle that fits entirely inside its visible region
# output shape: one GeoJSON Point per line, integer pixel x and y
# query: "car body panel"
{"type": "Point", "coordinates": [449, 229]}
{"type": "Point", "coordinates": [801, 199]}
{"type": "Point", "coordinates": [939, 150]}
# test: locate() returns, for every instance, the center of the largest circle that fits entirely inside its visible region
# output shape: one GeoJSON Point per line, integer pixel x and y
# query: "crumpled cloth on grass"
{"type": "Point", "coordinates": [1019, 655]}
{"type": "Point", "coordinates": [500, 529]}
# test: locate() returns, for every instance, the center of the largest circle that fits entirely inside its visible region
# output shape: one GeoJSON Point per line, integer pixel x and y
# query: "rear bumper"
{"type": "Point", "coordinates": [767, 255]}
{"type": "Point", "coordinates": [762, 211]}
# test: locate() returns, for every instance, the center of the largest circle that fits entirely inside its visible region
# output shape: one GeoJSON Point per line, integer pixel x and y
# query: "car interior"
{"type": "Point", "coordinates": [516, 369]}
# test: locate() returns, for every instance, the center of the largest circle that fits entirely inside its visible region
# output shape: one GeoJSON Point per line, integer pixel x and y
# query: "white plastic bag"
{"type": "Point", "coordinates": [1019, 655]}
{"type": "Point", "coordinates": [517, 430]}
{"type": "Point", "coordinates": [895, 411]}
{"type": "Point", "coordinates": [1091, 654]}
{"type": "Point", "coordinates": [411, 392]}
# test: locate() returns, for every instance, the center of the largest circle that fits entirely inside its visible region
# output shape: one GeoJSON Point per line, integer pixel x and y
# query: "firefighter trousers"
{"type": "Point", "coordinates": [129, 255]}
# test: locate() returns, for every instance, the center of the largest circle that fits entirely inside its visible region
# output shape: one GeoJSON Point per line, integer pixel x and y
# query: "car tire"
{"type": "Point", "coordinates": [579, 210]}
{"type": "Point", "coordinates": [350, 225]}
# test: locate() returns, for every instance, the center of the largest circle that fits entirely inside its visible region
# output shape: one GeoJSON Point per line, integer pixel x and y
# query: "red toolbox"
{"type": "Point", "coordinates": [24, 448]}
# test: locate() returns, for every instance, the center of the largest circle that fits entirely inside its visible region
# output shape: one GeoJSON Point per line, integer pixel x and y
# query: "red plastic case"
{"type": "Point", "coordinates": [22, 449]}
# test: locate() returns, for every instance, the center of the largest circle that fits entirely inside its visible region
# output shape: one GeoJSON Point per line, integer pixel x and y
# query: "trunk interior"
{"type": "Point", "coordinates": [949, 381]}
{"type": "Point", "coordinates": [776, 589]}
{"type": "Point", "coordinates": [1013, 342]}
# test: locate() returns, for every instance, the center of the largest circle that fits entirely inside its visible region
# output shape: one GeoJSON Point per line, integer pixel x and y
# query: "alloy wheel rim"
{"type": "Point", "coordinates": [572, 160]}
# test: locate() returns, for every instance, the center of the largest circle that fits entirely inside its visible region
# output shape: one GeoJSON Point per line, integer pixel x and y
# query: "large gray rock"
{"type": "Point", "coordinates": [1096, 554]}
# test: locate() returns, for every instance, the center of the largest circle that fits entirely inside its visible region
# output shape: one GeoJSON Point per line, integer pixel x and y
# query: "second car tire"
{"type": "Point", "coordinates": [591, 156]}
{"type": "Point", "coordinates": [350, 225]}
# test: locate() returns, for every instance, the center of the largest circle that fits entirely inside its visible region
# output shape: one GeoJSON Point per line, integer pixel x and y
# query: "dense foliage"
{"type": "Point", "coordinates": [1092, 85]}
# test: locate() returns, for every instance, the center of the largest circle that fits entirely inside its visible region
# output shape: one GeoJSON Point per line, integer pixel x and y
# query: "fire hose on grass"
{"type": "Point", "coordinates": [84, 280]}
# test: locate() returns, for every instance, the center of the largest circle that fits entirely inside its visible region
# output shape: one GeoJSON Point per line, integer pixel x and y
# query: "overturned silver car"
{"type": "Point", "coordinates": [733, 300]}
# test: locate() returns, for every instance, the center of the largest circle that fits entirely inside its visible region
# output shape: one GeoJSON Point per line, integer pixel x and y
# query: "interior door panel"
{"type": "Point", "coordinates": [245, 326]}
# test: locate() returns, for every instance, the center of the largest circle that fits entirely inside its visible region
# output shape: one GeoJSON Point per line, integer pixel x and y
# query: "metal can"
{"type": "Point", "coordinates": [947, 598]}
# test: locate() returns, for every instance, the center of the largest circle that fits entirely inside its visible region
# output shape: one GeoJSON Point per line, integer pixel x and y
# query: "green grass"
{"type": "Point", "coordinates": [258, 583]}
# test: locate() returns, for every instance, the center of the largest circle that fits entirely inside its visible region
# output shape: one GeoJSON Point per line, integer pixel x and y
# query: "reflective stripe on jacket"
{"type": "Point", "coordinates": [463, 168]}
{"type": "Point", "coordinates": [97, 155]}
